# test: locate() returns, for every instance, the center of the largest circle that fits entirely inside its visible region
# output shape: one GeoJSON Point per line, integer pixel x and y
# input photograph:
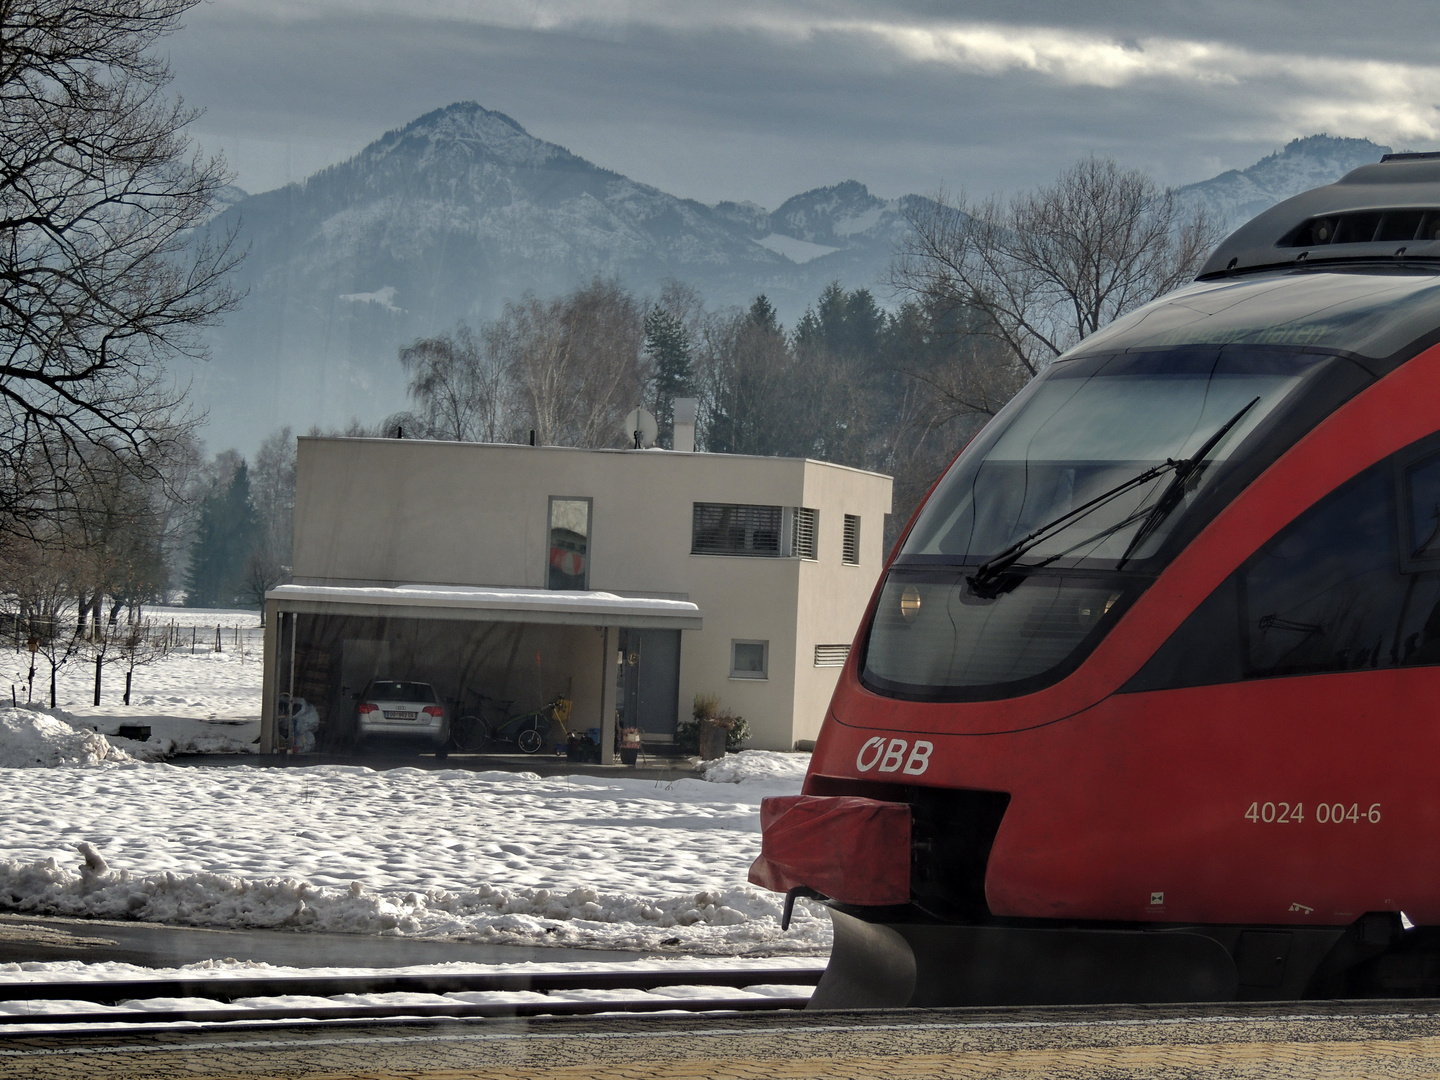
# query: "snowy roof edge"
{"type": "Point", "coordinates": [587, 606]}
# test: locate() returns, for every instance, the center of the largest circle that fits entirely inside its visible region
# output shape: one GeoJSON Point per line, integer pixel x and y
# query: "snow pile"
{"type": "Point", "coordinates": [29, 738]}
{"type": "Point", "coordinates": [751, 766]}
{"type": "Point", "coordinates": [579, 861]}
{"type": "Point", "coordinates": [727, 921]}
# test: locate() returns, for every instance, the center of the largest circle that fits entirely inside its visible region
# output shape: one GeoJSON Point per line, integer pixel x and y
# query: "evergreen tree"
{"type": "Point", "coordinates": [756, 396]}
{"type": "Point", "coordinates": [227, 533]}
{"type": "Point", "coordinates": [762, 315]}
{"type": "Point", "coordinates": [849, 325]}
{"type": "Point", "coordinates": [667, 346]}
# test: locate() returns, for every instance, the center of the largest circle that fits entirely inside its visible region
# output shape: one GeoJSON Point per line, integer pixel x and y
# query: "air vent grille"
{"type": "Point", "coordinates": [850, 546]}
{"type": "Point", "coordinates": [831, 655]}
{"type": "Point", "coordinates": [803, 545]}
{"type": "Point", "coordinates": [1398, 226]}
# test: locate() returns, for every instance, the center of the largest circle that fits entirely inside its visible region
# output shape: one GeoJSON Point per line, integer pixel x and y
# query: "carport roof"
{"type": "Point", "coordinates": [474, 604]}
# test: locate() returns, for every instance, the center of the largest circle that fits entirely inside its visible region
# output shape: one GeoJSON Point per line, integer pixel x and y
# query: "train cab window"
{"type": "Point", "coordinates": [1420, 529]}
{"type": "Point", "coordinates": [1352, 584]}
{"type": "Point", "coordinates": [1325, 593]}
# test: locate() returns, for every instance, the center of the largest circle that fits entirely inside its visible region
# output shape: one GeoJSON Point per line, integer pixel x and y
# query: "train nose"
{"type": "Point", "coordinates": [850, 849]}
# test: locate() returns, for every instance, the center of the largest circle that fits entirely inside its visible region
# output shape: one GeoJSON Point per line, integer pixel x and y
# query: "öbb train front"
{"type": "Point", "coordinates": [1146, 706]}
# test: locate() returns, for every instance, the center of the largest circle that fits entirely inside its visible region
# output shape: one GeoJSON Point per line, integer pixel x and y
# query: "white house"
{"type": "Point", "coordinates": [630, 580]}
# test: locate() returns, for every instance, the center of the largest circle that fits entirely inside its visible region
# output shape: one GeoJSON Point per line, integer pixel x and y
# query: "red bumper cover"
{"type": "Point", "coordinates": [853, 850]}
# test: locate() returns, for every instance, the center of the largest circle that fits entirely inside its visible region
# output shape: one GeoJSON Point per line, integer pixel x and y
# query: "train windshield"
{"type": "Point", "coordinates": [1083, 430]}
{"type": "Point", "coordinates": [1072, 492]}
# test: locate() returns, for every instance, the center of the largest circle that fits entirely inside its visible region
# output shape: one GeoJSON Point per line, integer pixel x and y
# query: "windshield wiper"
{"type": "Point", "coordinates": [1175, 490]}
{"type": "Point", "coordinates": [988, 573]}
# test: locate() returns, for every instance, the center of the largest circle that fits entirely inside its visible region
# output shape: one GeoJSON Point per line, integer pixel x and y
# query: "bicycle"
{"type": "Point", "coordinates": [470, 732]}
{"type": "Point", "coordinates": [526, 732]}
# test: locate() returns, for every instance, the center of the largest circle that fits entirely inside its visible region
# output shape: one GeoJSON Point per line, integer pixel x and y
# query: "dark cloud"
{"type": "Point", "coordinates": [753, 108]}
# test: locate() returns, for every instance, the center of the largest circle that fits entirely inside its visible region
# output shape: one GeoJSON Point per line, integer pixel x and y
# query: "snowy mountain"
{"type": "Point", "coordinates": [1234, 197]}
{"type": "Point", "coordinates": [461, 210]}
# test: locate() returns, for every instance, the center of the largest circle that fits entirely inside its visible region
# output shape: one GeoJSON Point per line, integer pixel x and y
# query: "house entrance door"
{"type": "Point", "coordinates": [649, 682]}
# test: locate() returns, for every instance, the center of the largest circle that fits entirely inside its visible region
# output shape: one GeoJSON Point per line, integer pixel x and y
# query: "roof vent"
{"type": "Point", "coordinates": [1362, 218]}
{"type": "Point", "coordinates": [1365, 227]}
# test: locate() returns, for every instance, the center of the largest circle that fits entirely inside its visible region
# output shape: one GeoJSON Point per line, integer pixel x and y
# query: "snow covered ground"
{"type": "Point", "coordinates": [505, 858]}
{"type": "Point", "coordinates": [97, 828]}
{"type": "Point", "coordinates": [194, 702]}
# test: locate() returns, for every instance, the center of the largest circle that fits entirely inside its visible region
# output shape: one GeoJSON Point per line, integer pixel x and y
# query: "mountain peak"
{"type": "Point", "coordinates": [471, 129]}
{"type": "Point", "coordinates": [828, 215]}
{"type": "Point", "coordinates": [1236, 196]}
{"type": "Point", "coordinates": [1331, 145]}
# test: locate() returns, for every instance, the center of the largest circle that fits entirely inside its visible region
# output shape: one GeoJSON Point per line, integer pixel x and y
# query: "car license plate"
{"type": "Point", "coordinates": [396, 715]}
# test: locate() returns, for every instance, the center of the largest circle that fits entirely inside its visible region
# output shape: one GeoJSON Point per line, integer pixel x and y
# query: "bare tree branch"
{"type": "Point", "coordinates": [103, 275]}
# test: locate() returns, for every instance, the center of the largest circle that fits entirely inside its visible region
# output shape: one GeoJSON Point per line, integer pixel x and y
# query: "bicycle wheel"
{"type": "Point", "coordinates": [529, 740]}
{"type": "Point", "coordinates": [469, 734]}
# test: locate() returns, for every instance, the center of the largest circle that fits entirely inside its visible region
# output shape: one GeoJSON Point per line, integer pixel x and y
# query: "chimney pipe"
{"type": "Point", "coordinates": [685, 425]}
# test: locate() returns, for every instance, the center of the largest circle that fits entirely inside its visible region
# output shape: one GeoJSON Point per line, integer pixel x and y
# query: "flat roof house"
{"type": "Point", "coordinates": [629, 580]}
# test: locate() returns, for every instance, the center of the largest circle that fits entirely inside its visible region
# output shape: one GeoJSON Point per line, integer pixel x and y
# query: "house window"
{"type": "Point", "coordinates": [802, 533]}
{"type": "Point", "coordinates": [746, 529]}
{"type": "Point", "coordinates": [736, 529]}
{"type": "Point", "coordinates": [749, 659]}
{"type": "Point", "coordinates": [568, 556]}
{"type": "Point", "coordinates": [850, 545]}
{"type": "Point", "coordinates": [831, 655]}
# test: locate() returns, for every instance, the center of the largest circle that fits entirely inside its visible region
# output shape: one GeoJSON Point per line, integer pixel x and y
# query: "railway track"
{"type": "Point", "coordinates": [147, 1003]}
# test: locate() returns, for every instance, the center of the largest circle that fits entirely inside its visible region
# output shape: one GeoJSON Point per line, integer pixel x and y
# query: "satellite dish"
{"type": "Point", "coordinates": [641, 429]}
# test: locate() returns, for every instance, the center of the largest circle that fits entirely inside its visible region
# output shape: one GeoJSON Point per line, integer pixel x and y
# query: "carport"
{"type": "Point", "coordinates": [526, 646]}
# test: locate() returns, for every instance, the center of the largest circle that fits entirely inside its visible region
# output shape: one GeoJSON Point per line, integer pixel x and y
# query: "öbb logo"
{"type": "Point", "coordinates": [891, 757]}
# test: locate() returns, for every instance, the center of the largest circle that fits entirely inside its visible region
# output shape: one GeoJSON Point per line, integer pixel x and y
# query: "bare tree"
{"type": "Point", "coordinates": [101, 277]}
{"type": "Point", "coordinates": [459, 388]}
{"type": "Point", "coordinates": [1040, 272]}
{"type": "Point", "coordinates": [272, 491]}
{"type": "Point", "coordinates": [262, 573]}
{"type": "Point", "coordinates": [575, 362]}
{"type": "Point", "coordinates": [139, 646]}
{"type": "Point", "coordinates": [39, 592]}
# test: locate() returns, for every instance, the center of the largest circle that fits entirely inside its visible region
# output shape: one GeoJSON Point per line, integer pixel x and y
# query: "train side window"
{"type": "Point", "coordinates": [1324, 594]}
{"type": "Point", "coordinates": [1336, 590]}
{"type": "Point", "coordinates": [1420, 505]}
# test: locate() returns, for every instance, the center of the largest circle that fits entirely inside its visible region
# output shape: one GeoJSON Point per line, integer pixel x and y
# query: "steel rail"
{"type": "Point", "coordinates": [110, 991]}
{"type": "Point", "coordinates": [139, 1019]}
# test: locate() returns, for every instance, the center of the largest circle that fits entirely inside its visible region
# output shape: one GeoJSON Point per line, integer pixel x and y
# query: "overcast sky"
{"type": "Point", "coordinates": [761, 99]}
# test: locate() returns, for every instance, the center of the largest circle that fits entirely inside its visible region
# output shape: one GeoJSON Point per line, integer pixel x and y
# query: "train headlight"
{"type": "Point", "coordinates": [910, 603]}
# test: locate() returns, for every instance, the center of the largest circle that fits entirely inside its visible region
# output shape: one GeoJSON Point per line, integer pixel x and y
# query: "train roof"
{"type": "Point", "coordinates": [1389, 211]}
{"type": "Point", "coordinates": [1366, 310]}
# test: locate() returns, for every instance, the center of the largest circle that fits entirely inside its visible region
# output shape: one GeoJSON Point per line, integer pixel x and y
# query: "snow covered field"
{"type": "Point", "coordinates": [96, 830]}
{"type": "Point", "coordinates": [617, 863]}
{"type": "Point", "coordinates": [200, 702]}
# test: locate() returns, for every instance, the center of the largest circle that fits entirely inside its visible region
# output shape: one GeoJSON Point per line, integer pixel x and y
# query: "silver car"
{"type": "Point", "coordinates": [400, 710]}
